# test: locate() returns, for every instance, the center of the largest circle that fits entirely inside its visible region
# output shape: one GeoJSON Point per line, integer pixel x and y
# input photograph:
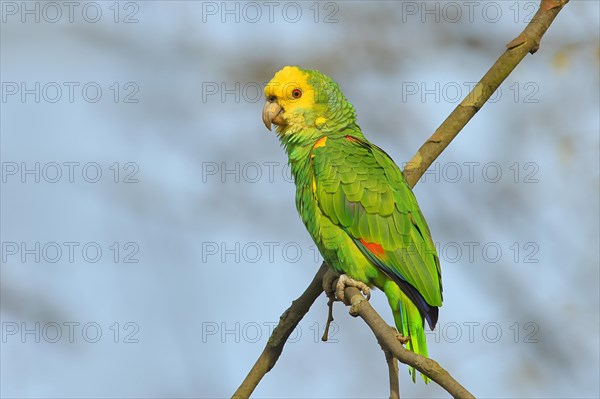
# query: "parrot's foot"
{"type": "Point", "coordinates": [403, 340]}
{"type": "Point", "coordinates": [344, 281]}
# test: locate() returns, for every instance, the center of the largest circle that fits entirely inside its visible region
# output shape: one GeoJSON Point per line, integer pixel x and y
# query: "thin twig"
{"type": "Point", "coordinates": [392, 372]}
{"type": "Point", "coordinates": [527, 42]}
{"type": "Point", "coordinates": [325, 336]}
{"type": "Point", "coordinates": [329, 278]}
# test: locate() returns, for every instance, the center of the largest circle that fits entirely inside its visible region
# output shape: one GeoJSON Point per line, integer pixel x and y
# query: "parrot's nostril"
{"type": "Point", "coordinates": [271, 99]}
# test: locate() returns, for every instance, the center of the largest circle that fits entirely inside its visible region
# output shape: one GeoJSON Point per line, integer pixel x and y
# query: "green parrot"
{"type": "Point", "coordinates": [354, 200]}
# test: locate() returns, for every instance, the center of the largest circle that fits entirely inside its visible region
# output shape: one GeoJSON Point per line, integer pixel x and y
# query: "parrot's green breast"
{"type": "Point", "coordinates": [334, 243]}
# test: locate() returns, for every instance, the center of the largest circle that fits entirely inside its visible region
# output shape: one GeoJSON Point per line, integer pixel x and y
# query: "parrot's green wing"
{"type": "Point", "coordinates": [360, 188]}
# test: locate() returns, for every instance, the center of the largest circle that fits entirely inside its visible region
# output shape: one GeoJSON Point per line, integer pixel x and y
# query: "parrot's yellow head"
{"type": "Point", "coordinates": [299, 100]}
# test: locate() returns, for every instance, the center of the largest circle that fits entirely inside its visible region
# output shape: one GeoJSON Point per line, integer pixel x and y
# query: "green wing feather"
{"type": "Point", "coordinates": [362, 190]}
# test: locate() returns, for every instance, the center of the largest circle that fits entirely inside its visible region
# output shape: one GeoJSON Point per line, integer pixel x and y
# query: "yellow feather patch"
{"type": "Point", "coordinates": [320, 143]}
{"type": "Point", "coordinates": [314, 186]}
{"type": "Point", "coordinates": [320, 121]}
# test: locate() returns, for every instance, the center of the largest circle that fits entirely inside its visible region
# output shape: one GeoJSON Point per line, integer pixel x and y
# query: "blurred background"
{"type": "Point", "coordinates": [150, 240]}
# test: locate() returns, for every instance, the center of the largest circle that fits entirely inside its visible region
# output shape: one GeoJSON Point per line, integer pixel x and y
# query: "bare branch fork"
{"type": "Point", "coordinates": [527, 42]}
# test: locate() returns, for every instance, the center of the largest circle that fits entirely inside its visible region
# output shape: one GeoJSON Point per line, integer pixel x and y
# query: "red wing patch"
{"type": "Point", "coordinates": [350, 138]}
{"type": "Point", "coordinates": [375, 248]}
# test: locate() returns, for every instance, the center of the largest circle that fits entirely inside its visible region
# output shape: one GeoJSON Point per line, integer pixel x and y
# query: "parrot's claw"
{"type": "Point", "coordinates": [344, 281]}
{"type": "Point", "coordinates": [403, 340]}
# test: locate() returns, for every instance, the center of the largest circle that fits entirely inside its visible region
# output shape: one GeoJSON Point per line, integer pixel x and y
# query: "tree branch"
{"type": "Point", "coordinates": [527, 42]}
{"type": "Point", "coordinates": [387, 337]}
{"type": "Point", "coordinates": [287, 323]}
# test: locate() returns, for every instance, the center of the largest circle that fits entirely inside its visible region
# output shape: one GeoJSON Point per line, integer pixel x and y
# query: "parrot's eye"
{"type": "Point", "coordinates": [296, 93]}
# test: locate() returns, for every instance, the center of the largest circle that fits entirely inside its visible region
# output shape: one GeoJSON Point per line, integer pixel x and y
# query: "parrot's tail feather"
{"type": "Point", "coordinates": [410, 324]}
{"type": "Point", "coordinates": [430, 313]}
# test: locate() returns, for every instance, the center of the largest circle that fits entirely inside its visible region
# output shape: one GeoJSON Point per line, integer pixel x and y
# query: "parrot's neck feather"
{"type": "Point", "coordinates": [298, 147]}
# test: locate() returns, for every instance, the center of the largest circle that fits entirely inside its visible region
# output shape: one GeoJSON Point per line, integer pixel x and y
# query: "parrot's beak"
{"type": "Point", "coordinates": [271, 113]}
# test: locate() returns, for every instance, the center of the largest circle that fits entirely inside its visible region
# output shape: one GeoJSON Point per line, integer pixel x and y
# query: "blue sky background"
{"type": "Point", "coordinates": [154, 242]}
